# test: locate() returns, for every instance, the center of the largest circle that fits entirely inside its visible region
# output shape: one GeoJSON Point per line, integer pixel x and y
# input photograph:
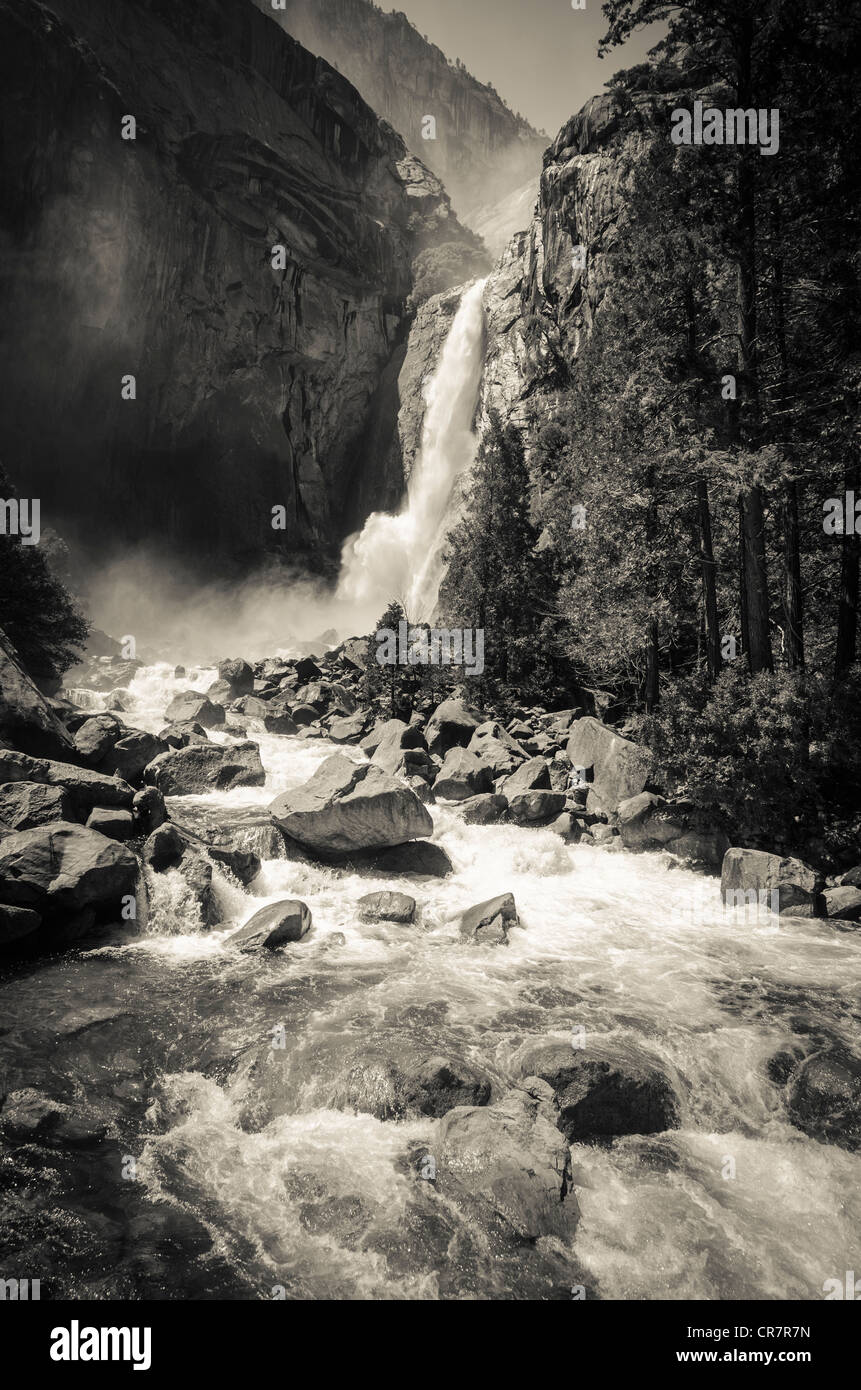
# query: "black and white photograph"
{"type": "Point", "coordinates": [430, 667]}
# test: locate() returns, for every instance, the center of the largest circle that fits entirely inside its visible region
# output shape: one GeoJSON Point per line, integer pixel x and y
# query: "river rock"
{"type": "Point", "coordinates": [616, 768]}
{"type": "Point", "coordinates": [823, 1097]}
{"type": "Point", "coordinates": [26, 720]}
{"type": "Point", "coordinates": [512, 1156]}
{"type": "Point", "coordinates": [95, 738]}
{"type": "Point", "coordinates": [237, 675]}
{"type": "Point", "coordinates": [307, 670]}
{"type": "Point", "coordinates": [748, 873]}
{"type": "Point", "coordinates": [348, 728]}
{"type": "Point", "coordinates": [419, 858]}
{"type": "Point", "coordinates": [132, 753]}
{"type": "Point", "coordinates": [451, 725]}
{"type": "Point", "coordinates": [31, 1118]}
{"type": "Point", "coordinates": [496, 748]}
{"type": "Point", "coordinates": [190, 706]}
{"type": "Point", "coordinates": [24, 805]}
{"type": "Point", "coordinates": [206, 767]}
{"type": "Point", "coordinates": [486, 809]}
{"type": "Point", "coordinates": [183, 732]}
{"type": "Point", "coordinates": [602, 1095]}
{"type": "Point", "coordinates": [650, 822]}
{"type": "Point", "coordinates": [65, 867]}
{"type": "Point", "coordinates": [273, 926]}
{"type": "Point", "coordinates": [149, 810]}
{"type": "Point", "coordinates": [349, 806]}
{"type": "Point", "coordinates": [488, 922]}
{"type": "Point", "coordinates": [386, 907]}
{"type": "Point", "coordinates": [392, 1080]}
{"type": "Point", "coordinates": [86, 788]}
{"type": "Point", "coordinates": [111, 821]}
{"type": "Point", "coordinates": [462, 775]}
{"type": "Point", "coordinates": [533, 775]}
{"type": "Point", "coordinates": [17, 923]}
{"type": "Point", "coordinates": [535, 807]}
{"type": "Point", "coordinates": [842, 901]}
{"type": "Point", "coordinates": [276, 719]}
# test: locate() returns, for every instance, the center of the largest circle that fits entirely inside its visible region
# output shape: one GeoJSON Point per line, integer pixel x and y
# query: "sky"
{"type": "Point", "coordinates": [540, 55]}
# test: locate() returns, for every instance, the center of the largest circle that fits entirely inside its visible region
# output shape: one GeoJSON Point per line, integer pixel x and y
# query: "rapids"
{"type": "Point", "coordinates": [310, 1199]}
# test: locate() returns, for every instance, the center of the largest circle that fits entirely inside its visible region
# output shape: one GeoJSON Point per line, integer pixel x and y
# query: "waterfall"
{"type": "Point", "coordinates": [400, 556]}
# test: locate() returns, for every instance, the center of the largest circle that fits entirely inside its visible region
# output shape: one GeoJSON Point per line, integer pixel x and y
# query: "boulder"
{"type": "Point", "coordinates": [823, 1097]}
{"type": "Point", "coordinates": [512, 1156]}
{"type": "Point", "coordinates": [273, 926]}
{"type": "Point", "coordinates": [486, 809]}
{"type": "Point", "coordinates": [304, 714]}
{"type": "Point", "coordinates": [347, 806]}
{"type": "Point", "coordinates": [391, 1080]}
{"type": "Point", "coordinates": [462, 775]}
{"type": "Point", "coordinates": [206, 767]}
{"type": "Point", "coordinates": [394, 740]}
{"type": "Point", "coordinates": [451, 725]}
{"type": "Point", "coordinates": [307, 670]}
{"type": "Point", "coordinates": [190, 706]}
{"type": "Point", "coordinates": [95, 738]}
{"type": "Point", "coordinates": [497, 749]}
{"type": "Point", "coordinates": [354, 653]}
{"type": "Point", "coordinates": [148, 809]}
{"type": "Point", "coordinates": [111, 821]}
{"type": "Point", "coordinates": [86, 788]}
{"type": "Point", "coordinates": [599, 1096]}
{"type": "Point", "coordinates": [619, 768]}
{"type": "Point", "coordinates": [843, 901]}
{"type": "Point", "coordinates": [183, 732]}
{"type": "Point", "coordinates": [238, 675]}
{"type": "Point", "coordinates": [533, 775]}
{"type": "Point", "coordinates": [535, 808]}
{"type": "Point", "coordinates": [751, 876]}
{"type": "Point", "coordinates": [348, 728]}
{"type": "Point", "coordinates": [63, 868]}
{"type": "Point", "coordinates": [132, 753]}
{"type": "Point", "coordinates": [24, 805]}
{"type": "Point", "coordinates": [419, 858]}
{"type": "Point", "coordinates": [17, 923]}
{"type": "Point", "coordinates": [26, 719]}
{"type": "Point", "coordinates": [386, 907]}
{"type": "Point", "coordinates": [275, 719]}
{"type": "Point", "coordinates": [650, 822]}
{"type": "Point", "coordinates": [488, 922]}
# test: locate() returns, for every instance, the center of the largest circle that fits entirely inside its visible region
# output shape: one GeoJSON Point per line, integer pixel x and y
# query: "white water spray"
{"type": "Point", "coordinates": [400, 557]}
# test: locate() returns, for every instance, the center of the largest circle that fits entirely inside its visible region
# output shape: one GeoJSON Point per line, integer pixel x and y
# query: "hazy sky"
{"type": "Point", "coordinates": [540, 55]}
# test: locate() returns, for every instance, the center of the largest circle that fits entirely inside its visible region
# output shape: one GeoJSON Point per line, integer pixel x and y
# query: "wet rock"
{"type": "Point", "coordinates": [190, 706]}
{"type": "Point", "coordinates": [275, 925]}
{"type": "Point", "coordinates": [536, 807]}
{"type": "Point", "coordinates": [619, 768]}
{"type": "Point", "coordinates": [27, 804]}
{"type": "Point", "coordinates": [26, 719]}
{"type": "Point", "coordinates": [132, 753]}
{"type": "Point", "coordinates": [165, 847]}
{"type": "Point", "coordinates": [386, 907]}
{"type": "Point", "coordinates": [753, 876]}
{"type": "Point", "coordinates": [601, 1095]}
{"type": "Point", "coordinates": [31, 1118]}
{"type": "Point", "coordinates": [65, 868]}
{"type": "Point", "coordinates": [512, 1156]}
{"type": "Point", "coordinates": [206, 767]}
{"type": "Point", "coordinates": [451, 725]}
{"type": "Point", "coordinates": [149, 810]}
{"type": "Point", "coordinates": [347, 806]}
{"type": "Point", "coordinates": [16, 923]}
{"type": "Point", "coordinates": [111, 821]}
{"type": "Point", "coordinates": [392, 1079]}
{"type": "Point", "coordinates": [462, 775]}
{"type": "Point", "coordinates": [419, 857]}
{"type": "Point", "coordinates": [842, 902]}
{"type": "Point", "coordinates": [238, 675]}
{"type": "Point", "coordinates": [488, 922]}
{"type": "Point", "coordinates": [823, 1098]}
{"type": "Point", "coordinates": [486, 809]}
{"type": "Point", "coordinates": [304, 715]}
{"type": "Point", "coordinates": [87, 788]}
{"type": "Point", "coordinates": [497, 749]}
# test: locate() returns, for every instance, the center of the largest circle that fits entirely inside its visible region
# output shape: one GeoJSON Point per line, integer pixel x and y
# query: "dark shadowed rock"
{"type": "Point", "coordinates": [843, 901]}
{"type": "Point", "coordinates": [274, 926]}
{"type": "Point", "coordinates": [86, 788]}
{"type": "Point", "coordinates": [386, 907]}
{"type": "Point", "coordinates": [26, 720]}
{"type": "Point", "coordinates": [823, 1097]}
{"type": "Point", "coordinates": [600, 1096]}
{"type": "Point", "coordinates": [17, 923]}
{"type": "Point", "coordinates": [350, 806]}
{"type": "Point", "coordinates": [111, 821]}
{"type": "Point", "coordinates": [419, 857]}
{"type": "Point", "coordinates": [536, 807]}
{"type": "Point", "coordinates": [149, 810]}
{"type": "Point", "coordinates": [488, 922]}
{"type": "Point", "coordinates": [206, 767]}
{"type": "Point", "coordinates": [307, 670]}
{"type": "Point", "coordinates": [31, 1118]}
{"type": "Point", "coordinates": [132, 753]}
{"type": "Point", "coordinates": [63, 868]}
{"type": "Point", "coordinates": [238, 675]}
{"type": "Point", "coordinates": [486, 809]}
{"type": "Point", "coordinates": [95, 738]}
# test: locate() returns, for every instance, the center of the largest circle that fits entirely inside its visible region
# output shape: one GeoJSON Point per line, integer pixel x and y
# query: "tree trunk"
{"type": "Point", "coordinates": [847, 607]}
{"type": "Point", "coordinates": [791, 596]}
{"type": "Point", "coordinates": [707, 560]}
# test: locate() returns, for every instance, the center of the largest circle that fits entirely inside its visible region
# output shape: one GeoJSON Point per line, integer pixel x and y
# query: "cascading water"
{"type": "Point", "coordinates": [400, 557]}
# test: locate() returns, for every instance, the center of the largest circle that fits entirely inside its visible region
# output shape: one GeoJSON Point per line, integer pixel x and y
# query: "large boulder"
{"type": "Point", "coordinates": [190, 706]}
{"type": "Point", "coordinates": [599, 1096]}
{"type": "Point", "coordinates": [616, 767]}
{"type": "Point", "coordinates": [206, 767]}
{"type": "Point", "coordinates": [843, 901]}
{"type": "Point", "coordinates": [273, 926]}
{"type": "Point", "coordinates": [17, 923]}
{"type": "Point", "coordinates": [485, 809]}
{"type": "Point", "coordinates": [24, 805]}
{"type": "Point", "coordinates": [417, 859]}
{"type": "Point", "coordinates": [132, 753]}
{"type": "Point", "coordinates": [64, 868]}
{"type": "Point", "coordinates": [535, 807]}
{"type": "Point", "coordinates": [86, 788]}
{"type": "Point", "coordinates": [238, 675]}
{"type": "Point", "coordinates": [386, 907]}
{"type": "Point", "coordinates": [462, 775]}
{"type": "Point", "coordinates": [347, 806]}
{"type": "Point", "coordinates": [533, 775]}
{"type": "Point", "coordinates": [111, 821]}
{"type": "Point", "coordinates": [348, 728]}
{"type": "Point", "coordinates": [392, 1079]}
{"type": "Point", "coordinates": [497, 749]}
{"type": "Point", "coordinates": [26, 719]}
{"type": "Point", "coordinates": [488, 922]}
{"type": "Point", "coordinates": [95, 738]}
{"type": "Point", "coordinates": [756, 878]}
{"type": "Point", "coordinates": [823, 1097]}
{"type": "Point", "coordinates": [512, 1157]}
{"type": "Point", "coordinates": [451, 725]}
{"type": "Point", "coordinates": [650, 822]}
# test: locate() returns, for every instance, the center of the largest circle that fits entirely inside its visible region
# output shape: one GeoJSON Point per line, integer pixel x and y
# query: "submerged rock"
{"type": "Point", "coordinates": [350, 806]}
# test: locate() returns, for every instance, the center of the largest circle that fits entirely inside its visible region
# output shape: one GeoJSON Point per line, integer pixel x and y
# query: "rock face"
{"type": "Point", "coordinates": [63, 868]}
{"type": "Point", "coordinates": [347, 806]}
{"type": "Point", "coordinates": [512, 1156]}
{"type": "Point", "coordinates": [616, 768]}
{"type": "Point", "coordinates": [153, 257]}
{"type": "Point", "coordinates": [751, 876]}
{"type": "Point", "coordinates": [203, 767]}
{"type": "Point", "coordinates": [24, 805]}
{"type": "Point", "coordinates": [481, 150]}
{"type": "Point", "coordinates": [26, 720]}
